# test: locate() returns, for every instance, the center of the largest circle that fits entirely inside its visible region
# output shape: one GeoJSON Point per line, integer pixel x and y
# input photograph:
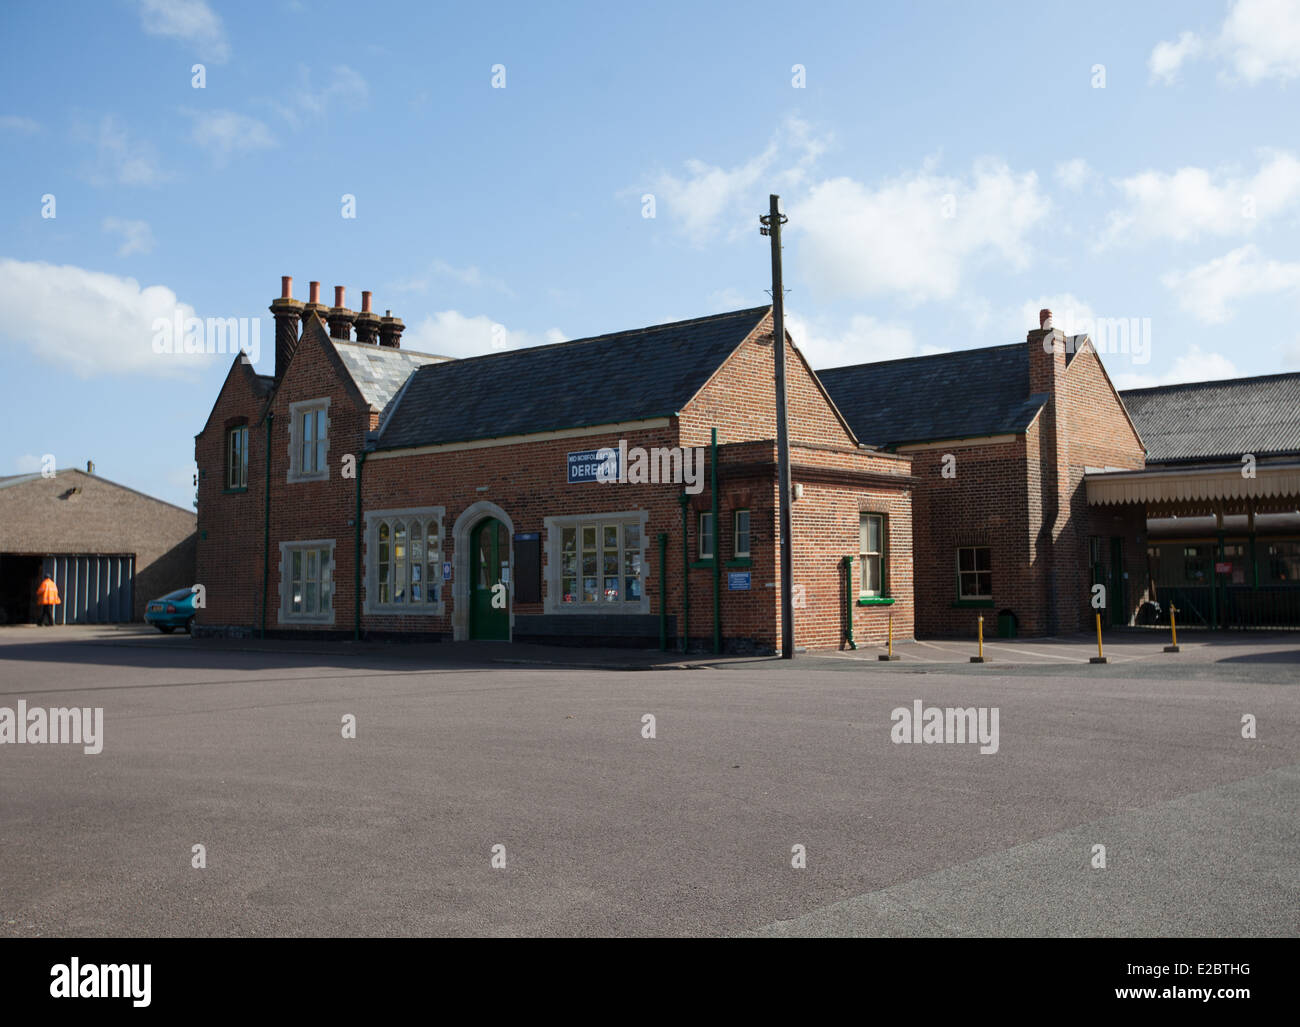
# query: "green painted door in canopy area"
{"type": "Point", "coordinates": [490, 567]}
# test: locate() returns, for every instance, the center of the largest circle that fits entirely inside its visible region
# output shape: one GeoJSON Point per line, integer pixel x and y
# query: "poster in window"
{"type": "Point", "coordinates": [416, 570]}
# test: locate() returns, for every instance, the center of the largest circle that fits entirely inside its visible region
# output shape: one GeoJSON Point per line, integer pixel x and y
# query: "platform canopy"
{"type": "Point", "coordinates": [1200, 489]}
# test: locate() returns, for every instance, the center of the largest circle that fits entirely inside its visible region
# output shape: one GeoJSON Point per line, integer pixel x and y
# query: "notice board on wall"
{"type": "Point", "coordinates": [528, 567]}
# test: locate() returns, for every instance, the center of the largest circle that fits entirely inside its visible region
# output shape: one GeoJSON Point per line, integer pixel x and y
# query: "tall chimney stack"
{"type": "Point", "coordinates": [367, 322]}
{"type": "Point", "coordinates": [1046, 355]}
{"type": "Point", "coordinates": [314, 305]}
{"type": "Point", "coordinates": [340, 317]}
{"type": "Point", "coordinates": [390, 330]}
{"type": "Point", "coordinates": [287, 312]}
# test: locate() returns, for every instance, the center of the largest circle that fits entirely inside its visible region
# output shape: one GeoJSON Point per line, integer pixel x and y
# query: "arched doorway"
{"type": "Point", "coordinates": [489, 600]}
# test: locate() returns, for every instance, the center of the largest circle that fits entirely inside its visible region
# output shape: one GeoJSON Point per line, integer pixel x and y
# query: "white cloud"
{"type": "Point", "coordinates": [137, 237]}
{"type": "Point", "coordinates": [1259, 39]}
{"type": "Point", "coordinates": [89, 322]}
{"type": "Point", "coordinates": [21, 125]}
{"type": "Point", "coordinates": [863, 340]}
{"type": "Point", "coordinates": [471, 276]}
{"type": "Point", "coordinates": [1194, 201]}
{"type": "Point", "coordinates": [1074, 174]}
{"type": "Point", "coordinates": [119, 159]}
{"type": "Point", "coordinates": [732, 299]}
{"type": "Point", "coordinates": [453, 334]}
{"type": "Point", "coordinates": [918, 235]}
{"type": "Point", "coordinates": [1192, 366]}
{"type": "Point", "coordinates": [1167, 58]}
{"type": "Point", "coordinates": [225, 133]}
{"type": "Point", "coordinates": [1069, 313]}
{"type": "Point", "coordinates": [28, 463]}
{"type": "Point", "coordinates": [708, 197]}
{"type": "Point", "coordinates": [346, 90]}
{"type": "Point", "coordinates": [191, 21]}
{"type": "Point", "coordinates": [1208, 291]}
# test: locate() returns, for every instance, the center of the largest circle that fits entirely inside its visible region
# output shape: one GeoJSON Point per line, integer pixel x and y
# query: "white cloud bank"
{"type": "Point", "coordinates": [90, 322]}
{"type": "Point", "coordinates": [1258, 40]}
{"type": "Point", "coordinates": [450, 333]}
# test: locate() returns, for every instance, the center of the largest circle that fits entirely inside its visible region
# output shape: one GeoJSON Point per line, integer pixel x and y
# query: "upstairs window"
{"type": "Point", "coordinates": [237, 457]}
{"type": "Point", "coordinates": [309, 440]}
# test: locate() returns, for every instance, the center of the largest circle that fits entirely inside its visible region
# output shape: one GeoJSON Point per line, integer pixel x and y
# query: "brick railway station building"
{"type": "Point", "coordinates": [365, 491]}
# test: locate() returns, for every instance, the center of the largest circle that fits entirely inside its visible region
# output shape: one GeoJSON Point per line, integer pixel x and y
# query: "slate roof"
{"type": "Point", "coordinates": [964, 394]}
{"type": "Point", "coordinates": [625, 376]}
{"type": "Point", "coordinates": [380, 371]}
{"type": "Point", "coordinates": [1223, 419]}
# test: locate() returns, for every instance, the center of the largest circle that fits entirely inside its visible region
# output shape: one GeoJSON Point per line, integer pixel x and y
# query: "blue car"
{"type": "Point", "coordinates": [172, 611]}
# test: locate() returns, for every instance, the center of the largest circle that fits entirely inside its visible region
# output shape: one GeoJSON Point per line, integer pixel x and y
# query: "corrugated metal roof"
{"type": "Point", "coordinates": [1214, 420]}
{"type": "Point", "coordinates": [966, 394]}
{"type": "Point", "coordinates": [625, 376]}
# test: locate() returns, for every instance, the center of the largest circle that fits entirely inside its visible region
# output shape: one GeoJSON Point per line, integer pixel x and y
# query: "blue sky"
{"type": "Point", "coordinates": [948, 169]}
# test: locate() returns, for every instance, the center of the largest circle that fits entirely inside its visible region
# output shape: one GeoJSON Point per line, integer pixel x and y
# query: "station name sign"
{"type": "Point", "coordinates": [585, 463]}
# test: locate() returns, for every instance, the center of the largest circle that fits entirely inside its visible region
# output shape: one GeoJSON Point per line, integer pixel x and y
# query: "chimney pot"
{"type": "Point", "coordinates": [315, 293]}
{"type": "Point", "coordinates": [1044, 318]}
{"type": "Point", "coordinates": [365, 302]}
{"type": "Point", "coordinates": [286, 287]}
{"type": "Point", "coordinates": [90, 466]}
{"type": "Point", "coordinates": [338, 295]}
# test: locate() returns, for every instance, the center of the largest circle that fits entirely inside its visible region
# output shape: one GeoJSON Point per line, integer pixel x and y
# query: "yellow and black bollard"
{"type": "Point", "coordinates": [890, 655]}
{"type": "Point", "coordinates": [1173, 627]}
{"type": "Point", "coordinates": [980, 657]}
{"type": "Point", "coordinates": [1100, 657]}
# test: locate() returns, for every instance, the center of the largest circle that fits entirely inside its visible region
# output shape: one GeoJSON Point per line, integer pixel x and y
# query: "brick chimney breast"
{"type": "Point", "coordinates": [287, 312]}
{"type": "Point", "coordinates": [390, 330]}
{"type": "Point", "coordinates": [340, 317]}
{"type": "Point", "coordinates": [367, 322]}
{"type": "Point", "coordinates": [314, 305]}
{"type": "Point", "coordinates": [1046, 355]}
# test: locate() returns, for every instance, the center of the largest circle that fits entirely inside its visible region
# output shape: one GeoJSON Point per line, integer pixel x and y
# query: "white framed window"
{"type": "Point", "coordinates": [872, 553]}
{"type": "Point", "coordinates": [596, 563]}
{"type": "Point", "coordinates": [309, 440]}
{"type": "Point", "coordinates": [704, 537]}
{"type": "Point", "coordinates": [740, 535]}
{"type": "Point", "coordinates": [307, 582]}
{"type": "Point", "coordinates": [974, 572]}
{"type": "Point", "coordinates": [237, 457]}
{"type": "Point", "coordinates": [403, 561]}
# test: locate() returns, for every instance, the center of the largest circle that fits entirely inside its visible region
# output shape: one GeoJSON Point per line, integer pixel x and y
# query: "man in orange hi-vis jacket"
{"type": "Point", "coordinates": [47, 598]}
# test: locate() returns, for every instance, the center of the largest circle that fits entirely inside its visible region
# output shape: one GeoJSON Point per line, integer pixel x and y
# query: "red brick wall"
{"type": "Point", "coordinates": [527, 480]}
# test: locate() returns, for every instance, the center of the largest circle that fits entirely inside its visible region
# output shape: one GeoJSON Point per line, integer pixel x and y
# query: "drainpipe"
{"type": "Point", "coordinates": [663, 591]}
{"type": "Point", "coordinates": [848, 600]}
{"type": "Point", "coordinates": [356, 557]}
{"type": "Point", "coordinates": [266, 522]}
{"type": "Point", "coordinates": [717, 547]}
{"type": "Point", "coordinates": [685, 500]}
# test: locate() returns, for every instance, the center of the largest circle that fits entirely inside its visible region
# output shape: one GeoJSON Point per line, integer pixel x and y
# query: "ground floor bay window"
{"type": "Point", "coordinates": [403, 561]}
{"type": "Point", "coordinates": [596, 563]}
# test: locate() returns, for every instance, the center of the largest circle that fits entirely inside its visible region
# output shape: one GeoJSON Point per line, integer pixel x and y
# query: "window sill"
{"type": "Point", "coordinates": [234, 492]}
{"type": "Point", "coordinates": [740, 561]}
{"type": "Point", "coordinates": [972, 604]}
{"type": "Point", "coordinates": [876, 600]}
{"type": "Point", "coordinates": [702, 564]}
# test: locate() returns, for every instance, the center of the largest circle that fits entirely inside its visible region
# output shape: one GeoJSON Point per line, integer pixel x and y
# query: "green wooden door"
{"type": "Point", "coordinates": [489, 605]}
